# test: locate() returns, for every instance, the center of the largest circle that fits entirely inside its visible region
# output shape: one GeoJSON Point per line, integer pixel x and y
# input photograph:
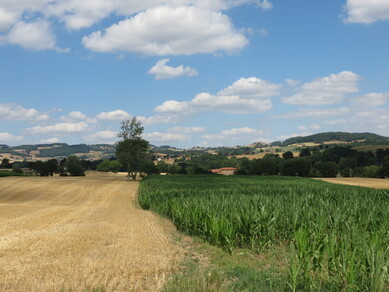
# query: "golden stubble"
{"type": "Point", "coordinates": [72, 234]}
{"type": "Point", "coordinates": [376, 183]}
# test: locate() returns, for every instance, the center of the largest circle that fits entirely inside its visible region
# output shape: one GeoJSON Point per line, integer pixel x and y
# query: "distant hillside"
{"type": "Point", "coordinates": [336, 136]}
{"type": "Point", "coordinates": [58, 151]}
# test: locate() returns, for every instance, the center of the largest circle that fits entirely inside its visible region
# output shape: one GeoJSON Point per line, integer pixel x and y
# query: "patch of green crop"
{"type": "Point", "coordinates": [339, 235]}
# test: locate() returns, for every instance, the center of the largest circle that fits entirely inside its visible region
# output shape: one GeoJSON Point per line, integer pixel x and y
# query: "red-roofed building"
{"type": "Point", "coordinates": [225, 170]}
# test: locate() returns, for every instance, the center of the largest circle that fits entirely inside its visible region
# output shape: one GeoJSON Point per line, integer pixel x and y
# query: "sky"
{"type": "Point", "coordinates": [195, 73]}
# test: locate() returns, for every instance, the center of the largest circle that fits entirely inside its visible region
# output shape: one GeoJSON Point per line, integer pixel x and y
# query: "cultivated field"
{"type": "Point", "coordinates": [376, 183]}
{"type": "Point", "coordinates": [77, 234]}
{"type": "Point", "coordinates": [336, 236]}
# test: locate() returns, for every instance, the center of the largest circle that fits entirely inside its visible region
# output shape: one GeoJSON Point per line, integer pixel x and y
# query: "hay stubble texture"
{"type": "Point", "coordinates": [80, 233]}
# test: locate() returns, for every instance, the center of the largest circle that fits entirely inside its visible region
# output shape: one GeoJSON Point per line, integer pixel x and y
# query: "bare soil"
{"type": "Point", "coordinates": [76, 234]}
{"type": "Point", "coordinates": [361, 182]}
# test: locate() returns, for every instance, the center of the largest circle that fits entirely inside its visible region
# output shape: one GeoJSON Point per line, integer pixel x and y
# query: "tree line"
{"type": "Point", "coordinates": [133, 156]}
{"type": "Point", "coordinates": [311, 162]}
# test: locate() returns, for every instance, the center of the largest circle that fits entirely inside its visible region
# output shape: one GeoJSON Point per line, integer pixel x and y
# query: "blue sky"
{"type": "Point", "coordinates": [196, 73]}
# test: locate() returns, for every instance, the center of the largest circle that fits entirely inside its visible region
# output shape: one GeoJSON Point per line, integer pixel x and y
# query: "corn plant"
{"type": "Point", "coordinates": [340, 234]}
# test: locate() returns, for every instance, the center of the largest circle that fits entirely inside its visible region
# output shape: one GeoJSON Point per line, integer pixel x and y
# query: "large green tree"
{"type": "Point", "coordinates": [74, 166]}
{"type": "Point", "coordinates": [132, 150]}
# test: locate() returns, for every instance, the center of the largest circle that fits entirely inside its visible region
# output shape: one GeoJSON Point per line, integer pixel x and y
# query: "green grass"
{"type": "Point", "coordinates": [10, 173]}
{"type": "Point", "coordinates": [337, 237]}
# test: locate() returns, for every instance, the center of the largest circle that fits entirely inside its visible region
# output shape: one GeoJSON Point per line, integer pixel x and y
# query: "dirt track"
{"type": "Point", "coordinates": [80, 233]}
{"type": "Point", "coordinates": [361, 182]}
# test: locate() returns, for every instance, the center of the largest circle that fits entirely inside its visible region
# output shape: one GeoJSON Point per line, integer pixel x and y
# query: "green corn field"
{"type": "Point", "coordinates": [339, 235]}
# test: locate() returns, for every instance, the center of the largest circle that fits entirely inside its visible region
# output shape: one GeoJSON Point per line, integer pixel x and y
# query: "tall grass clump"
{"type": "Point", "coordinates": [339, 234]}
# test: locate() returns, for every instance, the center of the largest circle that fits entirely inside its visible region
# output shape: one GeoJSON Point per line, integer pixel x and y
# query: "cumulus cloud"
{"type": "Point", "coordinates": [209, 102]}
{"type": "Point", "coordinates": [75, 116]}
{"type": "Point", "coordinates": [252, 87]}
{"type": "Point", "coordinates": [50, 140]}
{"type": "Point", "coordinates": [247, 95]}
{"type": "Point", "coordinates": [327, 90]}
{"type": "Point", "coordinates": [14, 112]}
{"type": "Point", "coordinates": [292, 82]}
{"type": "Point", "coordinates": [7, 137]}
{"type": "Point", "coordinates": [265, 4]}
{"type": "Point", "coordinates": [241, 131]}
{"type": "Point", "coordinates": [35, 36]}
{"type": "Point", "coordinates": [187, 26]}
{"type": "Point", "coordinates": [318, 113]}
{"type": "Point", "coordinates": [163, 137]}
{"type": "Point", "coordinates": [104, 135]}
{"type": "Point", "coordinates": [163, 71]}
{"type": "Point", "coordinates": [310, 127]}
{"type": "Point", "coordinates": [117, 115]}
{"type": "Point", "coordinates": [158, 119]}
{"type": "Point", "coordinates": [234, 134]}
{"type": "Point", "coordinates": [367, 11]}
{"type": "Point", "coordinates": [335, 122]}
{"type": "Point", "coordinates": [7, 18]}
{"type": "Point", "coordinates": [373, 99]}
{"type": "Point", "coordinates": [59, 128]}
{"type": "Point", "coordinates": [164, 30]}
{"type": "Point", "coordinates": [186, 130]}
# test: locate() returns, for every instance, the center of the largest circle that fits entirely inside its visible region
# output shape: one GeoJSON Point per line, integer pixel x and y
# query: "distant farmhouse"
{"type": "Point", "coordinates": [225, 171]}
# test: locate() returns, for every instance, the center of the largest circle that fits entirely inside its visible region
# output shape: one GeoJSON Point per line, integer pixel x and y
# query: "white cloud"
{"type": "Point", "coordinates": [370, 120]}
{"type": "Point", "coordinates": [7, 19]}
{"type": "Point", "coordinates": [186, 130]}
{"type": "Point", "coordinates": [234, 134]}
{"type": "Point", "coordinates": [327, 90]}
{"type": "Point", "coordinates": [335, 122]}
{"type": "Point", "coordinates": [50, 140]}
{"type": "Point", "coordinates": [247, 95]}
{"type": "Point", "coordinates": [292, 82]}
{"type": "Point", "coordinates": [373, 99]}
{"type": "Point", "coordinates": [104, 135]}
{"type": "Point", "coordinates": [7, 137]}
{"type": "Point", "coordinates": [208, 102]}
{"type": "Point", "coordinates": [162, 71]}
{"type": "Point", "coordinates": [167, 30]}
{"type": "Point", "coordinates": [82, 14]}
{"type": "Point", "coordinates": [59, 128]}
{"type": "Point", "coordinates": [13, 112]}
{"type": "Point", "coordinates": [265, 4]}
{"type": "Point", "coordinates": [318, 113]}
{"type": "Point", "coordinates": [241, 132]}
{"type": "Point", "coordinates": [75, 116]}
{"type": "Point", "coordinates": [202, 20]}
{"type": "Point", "coordinates": [252, 87]}
{"type": "Point", "coordinates": [162, 137]}
{"type": "Point", "coordinates": [158, 119]}
{"type": "Point", "coordinates": [310, 127]}
{"type": "Point", "coordinates": [117, 115]}
{"type": "Point", "coordinates": [35, 36]}
{"type": "Point", "coordinates": [367, 11]}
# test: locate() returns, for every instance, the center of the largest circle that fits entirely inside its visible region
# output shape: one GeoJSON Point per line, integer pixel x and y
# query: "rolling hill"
{"type": "Point", "coordinates": [337, 136]}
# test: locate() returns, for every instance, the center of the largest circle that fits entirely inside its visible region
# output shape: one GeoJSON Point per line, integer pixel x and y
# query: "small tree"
{"type": "Point", "coordinates": [287, 155]}
{"type": "Point", "coordinates": [132, 150]}
{"type": "Point", "coordinates": [104, 166]}
{"type": "Point", "coordinates": [114, 166]}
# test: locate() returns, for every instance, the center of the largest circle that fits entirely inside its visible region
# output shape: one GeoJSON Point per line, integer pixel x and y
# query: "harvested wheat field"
{"type": "Point", "coordinates": [77, 234]}
{"type": "Point", "coordinates": [359, 181]}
